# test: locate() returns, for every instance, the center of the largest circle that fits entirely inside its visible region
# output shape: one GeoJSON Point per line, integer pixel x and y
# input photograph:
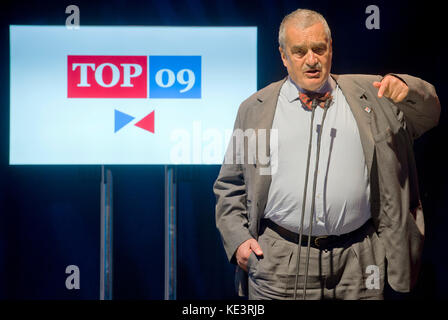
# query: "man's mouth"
{"type": "Point", "coordinates": [312, 73]}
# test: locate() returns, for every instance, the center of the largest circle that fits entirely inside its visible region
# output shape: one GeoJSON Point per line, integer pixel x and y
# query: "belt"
{"type": "Point", "coordinates": [319, 242]}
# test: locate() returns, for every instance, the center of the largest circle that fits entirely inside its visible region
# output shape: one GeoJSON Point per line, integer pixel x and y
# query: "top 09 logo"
{"type": "Point", "coordinates": [170, 77]}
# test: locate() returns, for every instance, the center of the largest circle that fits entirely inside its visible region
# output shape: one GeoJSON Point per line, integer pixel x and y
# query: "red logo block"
{"type": "Point", "coordinates": [107, 76]}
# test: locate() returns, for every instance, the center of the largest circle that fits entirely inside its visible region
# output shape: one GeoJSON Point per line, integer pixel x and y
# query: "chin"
{"type": "Point", "coordinates": [314, 84]}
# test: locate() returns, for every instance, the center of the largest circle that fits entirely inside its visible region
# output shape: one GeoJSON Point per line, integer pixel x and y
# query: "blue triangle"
{"type": "Point", "coordinates": [121, 119]}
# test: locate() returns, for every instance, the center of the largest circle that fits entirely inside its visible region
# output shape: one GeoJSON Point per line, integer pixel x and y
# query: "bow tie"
{"type": "Point", "coordinates": [307, 98]}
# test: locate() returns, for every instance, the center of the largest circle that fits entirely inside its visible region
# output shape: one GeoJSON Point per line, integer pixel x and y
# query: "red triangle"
{"type": "Point", "coordinates": [147, 123]}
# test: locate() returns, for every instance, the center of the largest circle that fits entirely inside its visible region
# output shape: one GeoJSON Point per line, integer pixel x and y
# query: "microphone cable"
{"type": "Point", "coordinates": [313, 108]}
{"type": "Point", "coordinates": [299, 244]}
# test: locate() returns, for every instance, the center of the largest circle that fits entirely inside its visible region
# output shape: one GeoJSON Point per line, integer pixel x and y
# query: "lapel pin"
{"type": "Point", "coordinates": [367, 109]}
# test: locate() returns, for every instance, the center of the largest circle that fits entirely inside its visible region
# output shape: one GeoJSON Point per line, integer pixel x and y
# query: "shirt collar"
{"type": "Point", "coordinates": [292, 89]}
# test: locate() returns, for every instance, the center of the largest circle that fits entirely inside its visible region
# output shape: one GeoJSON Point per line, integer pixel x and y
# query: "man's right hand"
{"type": "Point", "coordinates": [244, 250]}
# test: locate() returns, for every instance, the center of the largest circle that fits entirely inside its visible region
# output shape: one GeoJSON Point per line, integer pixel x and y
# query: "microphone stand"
{"type": "Point", "coordinates": [299, 244]}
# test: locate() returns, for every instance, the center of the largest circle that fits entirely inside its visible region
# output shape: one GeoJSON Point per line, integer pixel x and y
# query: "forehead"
{"type": "Point", "coordinates": [295, 35]}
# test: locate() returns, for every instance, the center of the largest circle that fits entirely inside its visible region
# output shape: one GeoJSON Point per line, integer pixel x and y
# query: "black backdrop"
{"type": "Point", "coordinates": [50, 215]}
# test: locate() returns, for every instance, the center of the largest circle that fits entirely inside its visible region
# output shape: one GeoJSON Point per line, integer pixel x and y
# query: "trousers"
{"type": "Point", "coordinates": [353, 270]}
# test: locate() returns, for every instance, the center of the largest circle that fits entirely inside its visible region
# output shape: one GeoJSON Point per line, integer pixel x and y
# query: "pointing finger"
{"type": "Point", "coordinates": [377, 84]}
{"type": "Point", "coordinates": [383, 88]}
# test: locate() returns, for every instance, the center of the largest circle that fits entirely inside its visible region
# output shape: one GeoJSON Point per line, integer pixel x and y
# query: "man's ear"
{"type": "Point", "coordinates": [331, 47]}
{"type": "Point", "coordinates": [283, 55]}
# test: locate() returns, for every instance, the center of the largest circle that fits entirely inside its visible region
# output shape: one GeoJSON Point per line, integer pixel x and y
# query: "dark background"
{"type": "Point", "coordinates": [50, 215]}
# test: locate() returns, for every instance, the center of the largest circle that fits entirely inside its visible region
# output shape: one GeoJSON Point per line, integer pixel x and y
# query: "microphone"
{"type": "Point", "coordinates": [313, 108]}
{"type": "Point", "coordinates": [299, 244]}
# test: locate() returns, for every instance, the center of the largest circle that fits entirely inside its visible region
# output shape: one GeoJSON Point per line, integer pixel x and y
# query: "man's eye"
{"type": "Point", "coordinates": [319, 50]}
{"type": "Point", "coordinates": [300, 52]}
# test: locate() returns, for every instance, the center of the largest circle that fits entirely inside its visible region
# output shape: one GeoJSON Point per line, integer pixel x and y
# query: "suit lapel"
{"type": "Point", "coordinates": [362, 110]}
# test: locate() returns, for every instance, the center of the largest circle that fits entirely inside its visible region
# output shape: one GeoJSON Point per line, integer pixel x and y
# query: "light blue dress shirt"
{"type": "Point", "coordinates": [342, 202]}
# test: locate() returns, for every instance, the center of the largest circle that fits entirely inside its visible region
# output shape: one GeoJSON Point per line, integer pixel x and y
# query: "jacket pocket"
{"type": "Point", "coordinates": [251, 262]}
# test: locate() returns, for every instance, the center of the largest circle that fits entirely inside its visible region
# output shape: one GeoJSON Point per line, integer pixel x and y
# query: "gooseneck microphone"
{"type": "Point", "coordinates": [299, 244]}
{"type": "Point", "coordinates": [313, 108]}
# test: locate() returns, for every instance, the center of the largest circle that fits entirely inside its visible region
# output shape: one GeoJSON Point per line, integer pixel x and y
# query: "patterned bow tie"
{"type": "Point", "coordinates": [307, 98]}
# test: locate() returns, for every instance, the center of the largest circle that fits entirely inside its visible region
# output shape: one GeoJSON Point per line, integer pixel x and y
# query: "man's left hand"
{"type": "Point", "coordinates": [392, 87]}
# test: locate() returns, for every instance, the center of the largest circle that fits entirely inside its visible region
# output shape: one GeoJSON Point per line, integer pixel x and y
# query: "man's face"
{"type": "Point", "coordinates": [307, 55]}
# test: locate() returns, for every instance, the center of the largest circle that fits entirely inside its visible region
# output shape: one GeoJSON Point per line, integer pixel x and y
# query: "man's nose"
{"type": "Point", "coordinates": [311, 58]}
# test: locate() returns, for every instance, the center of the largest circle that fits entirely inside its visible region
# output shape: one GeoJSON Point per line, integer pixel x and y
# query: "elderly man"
{"type": "Point", "coordinates": [355, 221]}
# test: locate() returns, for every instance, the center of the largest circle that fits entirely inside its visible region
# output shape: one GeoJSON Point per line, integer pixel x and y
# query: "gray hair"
{"type": "Point", "coordinates": [302, 18]}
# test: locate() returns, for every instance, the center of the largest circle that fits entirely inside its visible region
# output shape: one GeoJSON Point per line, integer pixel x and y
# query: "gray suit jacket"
{"type": "Point", "coordinates": [387, 134]}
